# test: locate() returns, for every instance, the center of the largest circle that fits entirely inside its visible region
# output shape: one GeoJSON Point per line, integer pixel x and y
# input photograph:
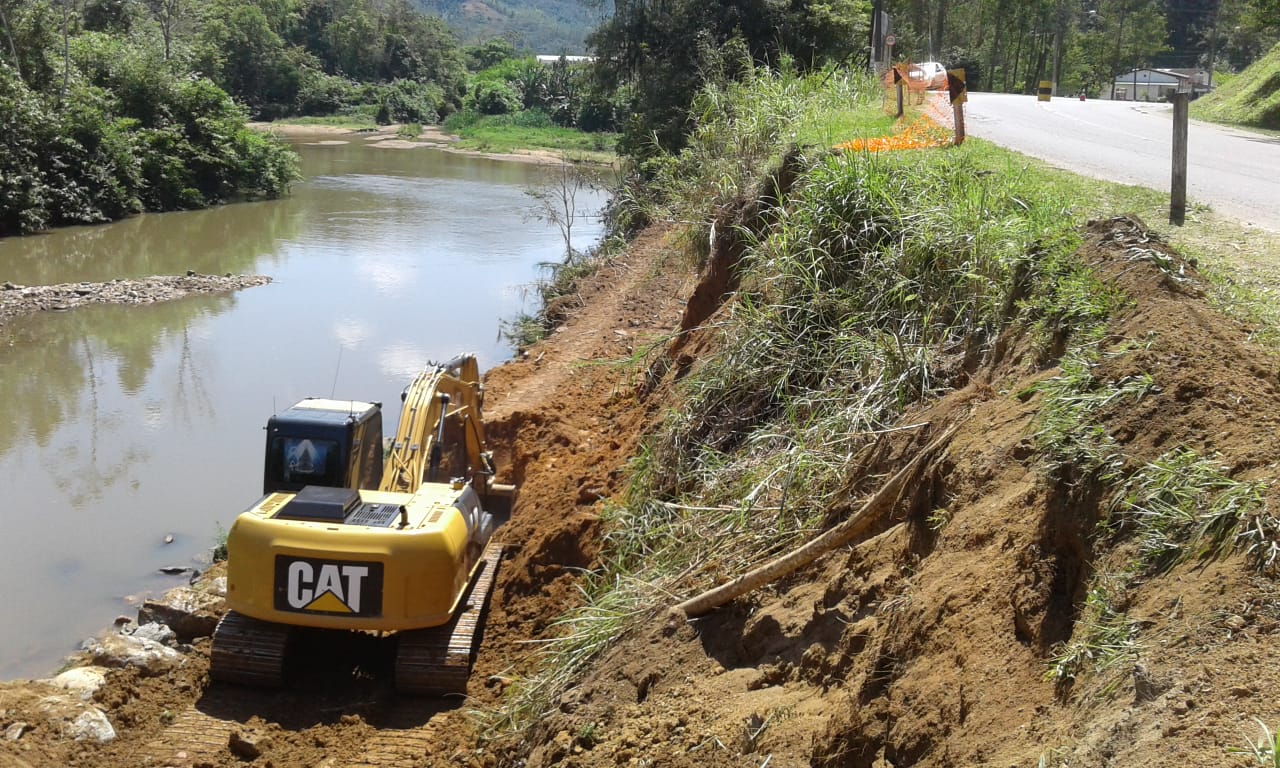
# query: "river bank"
{"type": "Point", "coordinates": [393, 137]}
{"type": "Point", "coordinates": [560, 431]}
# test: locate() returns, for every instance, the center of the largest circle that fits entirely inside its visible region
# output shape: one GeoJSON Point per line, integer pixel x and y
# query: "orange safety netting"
{"type": "Point", "coordinates": [923, 133]}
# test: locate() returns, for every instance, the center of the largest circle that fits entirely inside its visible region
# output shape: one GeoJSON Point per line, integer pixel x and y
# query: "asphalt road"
{"type": "Point", "coordinates": [1235, 172]}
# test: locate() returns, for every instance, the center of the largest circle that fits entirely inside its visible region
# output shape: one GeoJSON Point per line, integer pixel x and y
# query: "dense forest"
{"type": "Point", "coordinates": [110, 107]}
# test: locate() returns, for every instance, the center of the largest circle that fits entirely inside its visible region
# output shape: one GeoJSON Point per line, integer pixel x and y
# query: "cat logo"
{"type": "Point", "coordinates": [332, 587]}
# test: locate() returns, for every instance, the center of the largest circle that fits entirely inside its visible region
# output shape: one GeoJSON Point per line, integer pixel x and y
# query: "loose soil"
{"type": "Point", "coordinates": [927, 645]}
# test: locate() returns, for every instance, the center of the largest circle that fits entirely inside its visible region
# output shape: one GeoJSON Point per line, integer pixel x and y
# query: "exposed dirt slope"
{"type": "Point", "coordinates": [926, 646]}
{"type": "Point", "coordinates": [929, 646]}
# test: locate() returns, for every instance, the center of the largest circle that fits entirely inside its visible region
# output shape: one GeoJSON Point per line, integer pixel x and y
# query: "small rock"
{"type": "Point", "coordinates": [590, 495]}
{"type": "Point", "coordinates": [150, 657]}
{"type": "Point", "coordinates": [1235, 623]}
{"type": "Point", "coordinates": [219, 586]}
{"type": "Point", "coordinates": [248, 745]}
{"type": "Point", "coordinates": [82, 681]}
{"type": "Point", "coordinates": [121, 621]}
{"type": "Point", "coordinates": [189, 612]}
{"type": "Point", "coordinates": [91, 725]}
{"type": "Point", "coordinates": [1241, 691]}
{"type": "Point", "coordinates": [156, 631]}
{"type": "Point", "coordinates": [15, 731]}
{"type": "Point", "coordinates": [191, 273]}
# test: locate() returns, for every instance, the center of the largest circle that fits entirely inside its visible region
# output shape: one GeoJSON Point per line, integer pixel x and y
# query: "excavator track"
{"type": "Point", "coordinates": [248, 651]}
{"type": "Point", "coordinates": [437, 661]}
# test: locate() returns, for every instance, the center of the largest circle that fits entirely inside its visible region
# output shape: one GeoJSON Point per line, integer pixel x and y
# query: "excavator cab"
{"type": "Point", "coordinates": [332, 443]}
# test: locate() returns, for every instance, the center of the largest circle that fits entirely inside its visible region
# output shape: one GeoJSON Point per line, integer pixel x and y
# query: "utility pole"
{"type": "Point", "coordinates": [876, 34]}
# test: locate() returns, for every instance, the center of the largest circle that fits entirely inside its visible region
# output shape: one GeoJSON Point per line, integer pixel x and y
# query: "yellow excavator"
{"type": "Point", "coordinates": [346, 539]}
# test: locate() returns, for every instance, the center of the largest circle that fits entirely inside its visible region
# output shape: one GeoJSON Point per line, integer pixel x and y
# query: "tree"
{"type": "Point", "coordinates": [556, 199]}
{"type": "Point", "coordinates": [660, 52]}
{"type": "Point", "coordinates": [249, 60]}
{"type": "Point", "coordinates": [168, 14]}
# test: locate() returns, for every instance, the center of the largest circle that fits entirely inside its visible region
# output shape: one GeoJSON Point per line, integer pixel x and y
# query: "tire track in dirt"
{"type": "Point", "coordinates": [193, 737]}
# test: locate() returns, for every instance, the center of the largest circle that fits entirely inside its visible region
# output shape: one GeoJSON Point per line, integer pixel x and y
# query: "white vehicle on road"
{"type": "Point", "coordinates": [931, 73]}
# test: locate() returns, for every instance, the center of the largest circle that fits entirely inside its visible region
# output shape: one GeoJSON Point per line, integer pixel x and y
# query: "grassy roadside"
{"type": "Point", "coordinates": [1251, 98]}
{"type": "Point", "coordinates": [872, 280]}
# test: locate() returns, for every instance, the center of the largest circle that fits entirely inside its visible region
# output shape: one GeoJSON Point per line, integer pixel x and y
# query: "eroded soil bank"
{"type": "Point", "coordinates": [928, 645]}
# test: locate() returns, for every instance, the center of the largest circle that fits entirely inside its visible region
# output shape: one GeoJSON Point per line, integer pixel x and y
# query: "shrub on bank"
{"type": "Point", "coordinates": [126, 138]}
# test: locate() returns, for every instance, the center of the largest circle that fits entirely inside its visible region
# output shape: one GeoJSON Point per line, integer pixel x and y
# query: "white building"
{"type": "Point", "coordinates": [1158, 84]}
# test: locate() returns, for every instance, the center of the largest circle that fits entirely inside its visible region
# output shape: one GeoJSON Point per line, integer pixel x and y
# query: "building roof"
{"type": "Point", "coordinates": [1152, 76]}
{"type": "Point", "coordinates": [549, 59]}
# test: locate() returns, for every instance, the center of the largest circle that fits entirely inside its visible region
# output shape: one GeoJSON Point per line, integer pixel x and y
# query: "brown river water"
{"type": "Point", "coordinates": [123, 426]}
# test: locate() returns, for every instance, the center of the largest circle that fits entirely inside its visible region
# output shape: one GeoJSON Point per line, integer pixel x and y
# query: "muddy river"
{"type": "Point", "coordinates": [127, 427]}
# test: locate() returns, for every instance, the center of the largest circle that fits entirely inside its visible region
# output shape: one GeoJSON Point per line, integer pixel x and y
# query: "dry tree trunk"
{"type": "Point", "coordinates": [856, 525]}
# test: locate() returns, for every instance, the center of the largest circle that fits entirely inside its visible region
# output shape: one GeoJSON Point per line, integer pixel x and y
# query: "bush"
{"type": "Point", "coordinates": [409, 101]}
{"type": "Point", "coordinates": [323, 94]}
{"type": "Point", "coordinates": [494, 98]}
{"type": "Point", "coordinates": [130, 137]}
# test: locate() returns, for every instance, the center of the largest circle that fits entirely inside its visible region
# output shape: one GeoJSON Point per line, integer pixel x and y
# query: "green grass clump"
{"type": "Point", "coordinates": [1104, 639]}
{"type": "Point", "coordinates": [1265, 752]}
{"type": "Point", "coordinates": [1183, 506]}
{"type": "Point", "coordinates": [1068, 431]}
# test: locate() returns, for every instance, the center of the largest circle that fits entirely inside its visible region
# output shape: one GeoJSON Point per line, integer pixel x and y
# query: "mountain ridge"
{"type": "Point", "coordinates": [534, 26]}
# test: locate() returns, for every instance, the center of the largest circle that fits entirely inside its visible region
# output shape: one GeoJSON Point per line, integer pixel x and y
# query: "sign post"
{"type": "Point", "coordinates": [959, 93]}
{"type": "Point", "coordinates": [1178, 189]}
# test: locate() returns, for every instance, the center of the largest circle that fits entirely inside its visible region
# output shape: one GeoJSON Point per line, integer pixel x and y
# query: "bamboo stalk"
{"type": "Point", "coordinates": [856, 525]}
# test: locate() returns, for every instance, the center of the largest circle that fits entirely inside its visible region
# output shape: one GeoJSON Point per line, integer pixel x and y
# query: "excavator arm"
{"type": "Point", "coordinates": [446, 394]}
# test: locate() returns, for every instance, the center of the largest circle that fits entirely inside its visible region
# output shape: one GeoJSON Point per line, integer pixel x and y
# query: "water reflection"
{"type": "Point", "coordinates": [128, 424]}
{"type": "Point", "coordinates": [229, 239]}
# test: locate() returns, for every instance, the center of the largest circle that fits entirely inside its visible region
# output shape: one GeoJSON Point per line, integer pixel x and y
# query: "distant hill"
{"type": "Point", "coordinates": [535, 26]}
{"type": "Point", "coordinates": [1250, 98]}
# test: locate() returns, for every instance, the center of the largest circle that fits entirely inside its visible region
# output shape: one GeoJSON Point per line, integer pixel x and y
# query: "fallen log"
{"type": "Point", "coordinates": [866, 518]}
